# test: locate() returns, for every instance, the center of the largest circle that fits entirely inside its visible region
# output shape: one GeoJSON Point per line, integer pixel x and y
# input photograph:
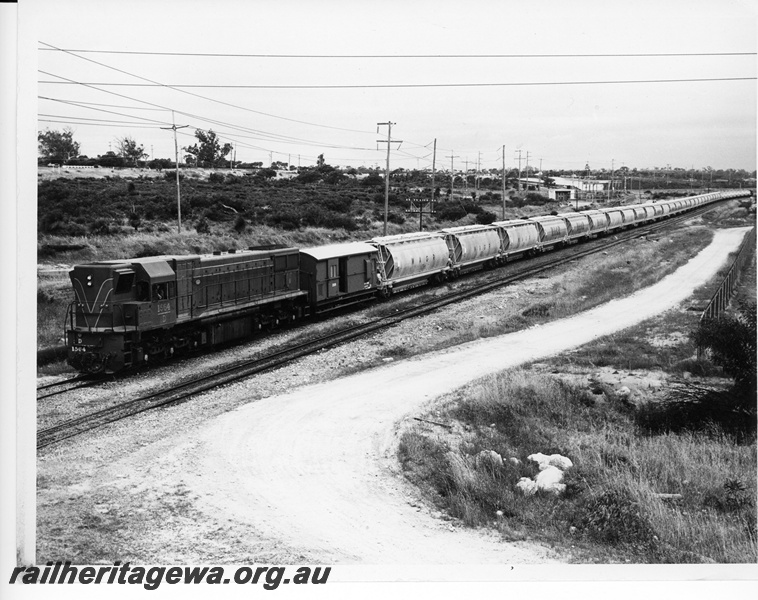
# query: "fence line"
{"type": "Point", "coordinates": [720, 300]}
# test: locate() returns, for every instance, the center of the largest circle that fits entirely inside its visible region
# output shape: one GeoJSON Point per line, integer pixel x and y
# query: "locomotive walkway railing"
{"type": "Point", "coordinates": [720, 300]}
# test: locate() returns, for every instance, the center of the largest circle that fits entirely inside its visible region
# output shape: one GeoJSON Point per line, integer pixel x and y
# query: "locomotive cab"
{"type": "Point", "coordinates": [114, 302]}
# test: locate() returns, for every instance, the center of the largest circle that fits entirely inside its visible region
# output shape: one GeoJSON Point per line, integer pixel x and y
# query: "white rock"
{"type": "Point", "coordinates": [527, 486]}
{"type": "Point", "coordinates": [514, 461]}
{"type": "Point", "coordinates": [541, 459]}
{"type": "Point", "coordinates": [555, 460]}
{"type": "Point", "coordinates": [549, 478]}
{"type": "Point", "coordinates": [623, 391]}
{"type": "Point", "coordinates": [562, 462]}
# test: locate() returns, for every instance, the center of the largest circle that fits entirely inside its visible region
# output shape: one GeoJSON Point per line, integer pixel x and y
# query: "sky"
{"type": "Point", "coordinates": [438, 44]}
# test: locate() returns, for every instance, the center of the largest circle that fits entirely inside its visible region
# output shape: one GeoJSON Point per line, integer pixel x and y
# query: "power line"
{"type": "Point", "coordinates": [199, 96]}
{"type": "Point", "coordinates": [393, 56]}
{"type": "Point", "coordinates": [68, 121]}
{"type": "Point", "coordinates": [180, 86]}
{"type": "Point", "coordinates": [270, 136]}
{"type": "Point", "coordinates": [88, 119]}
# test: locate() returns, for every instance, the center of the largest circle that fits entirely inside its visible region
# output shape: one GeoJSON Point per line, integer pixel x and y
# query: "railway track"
{"type": "Point", "coordinates": [67, 385]}
{"type": "Point", "coordinates": [182, 391]}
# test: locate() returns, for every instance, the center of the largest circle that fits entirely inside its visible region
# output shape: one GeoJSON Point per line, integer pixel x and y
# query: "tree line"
{"type": "Point", "coordinates": [60, 148]}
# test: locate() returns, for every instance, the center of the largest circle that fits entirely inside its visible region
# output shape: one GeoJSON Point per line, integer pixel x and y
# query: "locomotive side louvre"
{"type": "Point", "coordinates": [223, 283]}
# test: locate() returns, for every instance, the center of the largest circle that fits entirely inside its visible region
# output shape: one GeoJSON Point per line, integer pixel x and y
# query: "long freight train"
{"type": "Point", "coordinates": [129, 312]}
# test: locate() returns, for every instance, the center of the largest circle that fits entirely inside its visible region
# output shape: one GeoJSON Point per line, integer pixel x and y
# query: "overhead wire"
{"type": "Point", "coordinates": [245, 108]}
{"type": "Point", "coordinates": [420, 56]}
{"type": "Point", "coordinates": [184, 86]}
{"type": "Point", "coordinates": [271, 137]}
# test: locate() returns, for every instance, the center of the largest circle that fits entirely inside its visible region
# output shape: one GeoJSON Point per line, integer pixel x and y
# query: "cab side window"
{"type": "Point", "coordinates": [160, 292]}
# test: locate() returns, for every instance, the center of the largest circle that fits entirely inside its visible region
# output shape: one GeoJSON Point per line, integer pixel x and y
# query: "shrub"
{"type": "Point", "coordinates": [100, 227]}
{"type": "Point", "coordinates": [216, 178]}
{"type": "Point", "coordinates": [485, 218]}
{"type": "Point", "coordinates": [397, 218]}
{"type": "Point", "coordinates": [732, 342]}
{"type": "Point", "coordinates": [135, 221]}
{"type": "Point", "coordinates": [535, 198]}
{"type": "Point", "coordinates": [202, 226]}
{"type": "Point", "coordinates": [240, 224]}
{"type": "Point", "coordinates": [613, 517]}
{"type": "Point", "coordinates": [451, 211]}
{"type": "Point", "coordinates": [372, 180]}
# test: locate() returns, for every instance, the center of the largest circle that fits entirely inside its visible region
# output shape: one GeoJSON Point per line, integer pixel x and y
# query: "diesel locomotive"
{"type": "Point", "coordinates": [129, 312]}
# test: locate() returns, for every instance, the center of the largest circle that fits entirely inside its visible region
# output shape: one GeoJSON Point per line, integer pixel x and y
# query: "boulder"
{"type": "Point", "coordinates": [527, 486]}
{"type": "Point", "coordinates": [554, 460]}
{"type": "Point", "coordinates": [549, 480]}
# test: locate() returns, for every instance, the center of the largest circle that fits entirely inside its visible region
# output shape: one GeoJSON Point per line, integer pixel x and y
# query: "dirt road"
{"type": "Point", "coordinates": [315, 468]}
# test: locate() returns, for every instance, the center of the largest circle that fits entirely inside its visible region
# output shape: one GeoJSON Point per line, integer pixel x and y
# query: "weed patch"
{"type": "Point", "coordinates": [615, 505]}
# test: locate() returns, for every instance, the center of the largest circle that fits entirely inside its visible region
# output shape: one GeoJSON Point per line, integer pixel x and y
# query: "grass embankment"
{"type": "Point", "coordinates": [611, 511]}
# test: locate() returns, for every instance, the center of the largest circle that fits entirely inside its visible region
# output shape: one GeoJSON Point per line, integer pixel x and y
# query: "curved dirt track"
{"type": "Point", "coordinates": [315, 469]}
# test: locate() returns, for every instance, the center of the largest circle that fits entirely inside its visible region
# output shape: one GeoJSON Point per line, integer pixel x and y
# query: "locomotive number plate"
{"type": "Point", "coordinates": [164, 307]}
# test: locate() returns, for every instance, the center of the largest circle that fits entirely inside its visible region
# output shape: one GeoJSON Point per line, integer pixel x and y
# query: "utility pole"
{"type": "Point", "coordinates": [478, 171]}
{"type": "Point", "coordinates": [503, 182]}
{"type": "Point", "coordinates": [465, 179]}
{"type": "Point", "coordinates": [176, 158]}
{"type": "Point", "coordinates": [526, 168]}
{"type": "Point", "coordinates": [452, 173]}
{"type": "Point", "coordinates": [518, 181]}
{"type": "Point", "coordinates": [388, 141]}
{"type": "Point", "coordinates": [434, 169]}
{"type": "Point", "coordinates": [610, 183]}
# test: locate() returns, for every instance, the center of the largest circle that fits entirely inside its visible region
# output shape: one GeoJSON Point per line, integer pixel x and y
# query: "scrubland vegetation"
{"type": "Point", "coordinates": [669, 481]}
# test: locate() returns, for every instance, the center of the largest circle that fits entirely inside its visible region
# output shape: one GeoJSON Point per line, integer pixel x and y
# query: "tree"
{"type": "Point", "coordinates": [130, 151]}
{"type": "Point", "coordinates": [209, 152]}
{"type": "Point", "coordinates": [57, 146]}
